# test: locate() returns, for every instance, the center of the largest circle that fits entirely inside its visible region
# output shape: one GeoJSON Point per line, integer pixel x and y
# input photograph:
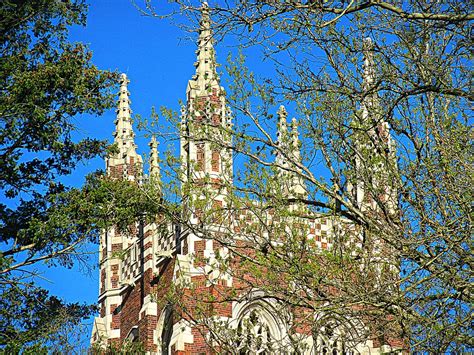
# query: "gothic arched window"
{"type": "Point", "coordinates": [329, 336]}
{"type": "Point", "coordinates": [256, 333]}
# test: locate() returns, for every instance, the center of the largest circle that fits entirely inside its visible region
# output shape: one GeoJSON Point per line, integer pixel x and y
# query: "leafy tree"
{"type": "Point", "coordinates": [412, 253]}
{"type": "Point", "coordinates": [47, 83]}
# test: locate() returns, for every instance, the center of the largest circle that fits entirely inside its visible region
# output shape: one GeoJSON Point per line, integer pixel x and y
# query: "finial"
{"type": "Point", "coordinates": [204, 23]}
{"type": "Point", "coordinates": [123, 78]}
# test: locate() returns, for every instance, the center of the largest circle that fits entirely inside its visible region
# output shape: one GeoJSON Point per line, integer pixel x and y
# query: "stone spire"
{"type": "Point", "coordinates": [369, 104]}
{"type": "Point", "coordinates": [282, 135]}
{"type": "Point", "coordinates": [125, 161]}
{"type": "Point", "coordinates": [372, 142]}
{"type": "Point", "coordinates": [369, 64]}
{"type": "Point", "coordinates": [297, 188]}
{"type": "Point", "coordinates": [282, 142]}
{"type": "Point", "coordinates": [123, 134]}
{"type": "Point", "coordinates": [206, 74]}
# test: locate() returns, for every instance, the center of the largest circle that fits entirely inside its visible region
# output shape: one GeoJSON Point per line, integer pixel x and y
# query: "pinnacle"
{"type": "Point", "coordinates": [206, 74]}
{"type": "Point", "coordinates": [295, 142]}
{"type": "Point", "coordinates": [282, 124]}
{"type": "Point", "coordinates": [154, 162]}
{"type": "Point", "coordinates": [294, 132]}
{"type": "Point", "coordinates": [124, 135]}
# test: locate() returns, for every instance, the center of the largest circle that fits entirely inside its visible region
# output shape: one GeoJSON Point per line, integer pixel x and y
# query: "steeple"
{"type": "Point", "coordinates": [205, 121]}
{"type": "Point", "coordinates": [126, 157]}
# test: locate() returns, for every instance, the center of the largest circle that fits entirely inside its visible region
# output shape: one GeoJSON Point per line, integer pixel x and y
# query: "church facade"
{"type": "Point", "coordinates": [164, 283]}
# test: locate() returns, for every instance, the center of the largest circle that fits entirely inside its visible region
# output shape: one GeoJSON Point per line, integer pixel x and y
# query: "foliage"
{"type": "Point", "coordinates": [411, 260]}
{"type": "Point", "coordinates": [47, 83]}
{"type": "Point", "coordinates": [31, 319]}
{"type": "Point", "coordinates": [126, 348]}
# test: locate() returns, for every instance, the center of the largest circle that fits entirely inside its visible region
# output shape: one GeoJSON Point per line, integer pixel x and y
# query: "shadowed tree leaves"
{"type": "Point", "coordinates": [47, 83]}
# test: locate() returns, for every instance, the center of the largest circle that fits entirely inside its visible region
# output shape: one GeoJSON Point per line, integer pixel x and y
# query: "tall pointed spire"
{"type": "Point", "coordinates": [126, 157]}
{"type": "Point", "coordinates": [369, 64]}
{"type": "Point", "coordinates": [123, 134]}
{"type": "Point", "coordinates": [369, 104]}
{"type": "Point", "coordinates": [295, 142]}
{"type": "Point", "coordinates": [297, 188]}
{"type": "Point", "coordinates": [374, 157]}
{"type": "Point", "coordinates": [206, 74]}
{"type": "Point", "coordinates": [282, 142]}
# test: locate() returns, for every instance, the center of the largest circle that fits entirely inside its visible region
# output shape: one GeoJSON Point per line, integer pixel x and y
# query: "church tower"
{"type": "Point", "coordinates": [124, 163]}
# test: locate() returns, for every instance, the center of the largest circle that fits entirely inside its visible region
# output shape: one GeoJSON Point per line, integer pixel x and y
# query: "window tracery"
{"type": "Point", "coordinates": [329, 338]}
{"type": "Point", "coordinates": [256, 334]}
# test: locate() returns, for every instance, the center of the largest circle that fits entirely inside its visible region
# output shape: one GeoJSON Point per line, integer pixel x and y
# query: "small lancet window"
{"type": "Point", "coordinates": [200, 158]}
{"type": "Point", "coordinates": [215, 161]}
